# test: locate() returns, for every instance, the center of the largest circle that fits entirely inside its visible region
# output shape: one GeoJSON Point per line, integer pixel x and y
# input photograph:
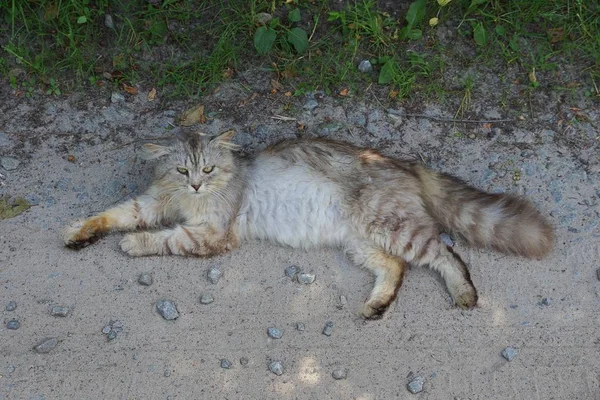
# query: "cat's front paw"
{"type": "Point", "coordinates": [465, 296]}
{"type": "Point", "coordinates": [138, 244]}
{"type": "Point", "coordinates": [77, 235]}
{"type": "Point", "coordinates": [373, 310]}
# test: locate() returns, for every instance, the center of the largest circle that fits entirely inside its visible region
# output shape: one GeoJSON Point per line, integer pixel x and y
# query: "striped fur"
{"type": "Point", "coordinates": [383, 212]}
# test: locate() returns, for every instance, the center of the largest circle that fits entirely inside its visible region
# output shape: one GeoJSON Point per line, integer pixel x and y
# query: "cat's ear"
{"type": "Point", "coordinates": [151, 151]}
{"type": "Point", "coordinates": [224, 140]}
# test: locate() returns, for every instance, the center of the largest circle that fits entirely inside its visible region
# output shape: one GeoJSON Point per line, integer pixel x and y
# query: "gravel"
{"type": "Point", "coordinates": [546, 301]}
{"type": "Point", "coordinates": [416, 384]}
{"type": "Point", "coordinates": [276, 367]}
{"type": "Point", "coordinates": [446, 239]}
{"type": "Point", "coordinates": [117, 98]}
{"type": "Point", "coordinates": [342, 303]}
{"type": "Point", "coordinates": [12, 305]}
{"type": "Point", "coordinates": [206, 298]}
{"type": "Point", "coordinates": [300, 326]}
{"type": "Point", "coordinates": [226, 364]}
{"type": "Point", "coordinates": [339, 374]}
{"type": "Point", "coordinates": [59, 311]}
{"type": "Point", "coordinates": [365, 66]}
{"type": "Point", "coordinates": [46, 345]}
{"type": "Point", "coordinates": [9, 163]}
{"type": "Point", "coordinates": [167, 309]}
{"type": "Point", "coordinates": [244, 361]}
{"type": "Point", "coordinates": [167, 373]}
{"type": "Point", "coordinates": [213, 275]}
{"type": "Point", "coordinates": [292, 271]}
{"type": "Point", "coordinates": [509, 353]}
{"type": "Point", "coordinates": [305, 278]}
{"type": "Point", "coordinates": [311, 104]}
{"type": "Point", "coordinates": [145, 279]}
{"type": "Point", "coordinates": [112, 335]}
{"type": "Point", "coordinates": [275, 333]}
{"type": "Point", "coordinates": [13, 324]}
{"type": "Point", "coordinates": [106, 329]}
{"type": "Point", "coordinates": [328, 329]}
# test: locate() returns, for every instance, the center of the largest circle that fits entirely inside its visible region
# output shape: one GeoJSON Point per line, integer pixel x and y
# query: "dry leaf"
{"type": "Point", "coordinates": [487, 126]}
{"type": "Point", "coordinates": [532, 77]}
{"type": "Point", "coordinates": [556, 35]}
{"type": "Point", "coordinates": [288, 94]}
{"type": "Point", "coordinates": [130, 89]}
{"type": "Point", "coordinates": [71, 158]}
{"type": "Point", "coordinates": [275, 85]}
{"type": "Point", "coordinates": [300, 126]}
{"type": "Point", "coordinates": [193, 116]}
{"type": "Point", "coordinates": [344, 92]}
{"type": "Point", "coordinates": [152, 94]}
{"type": "Point", "coordinates": [227, 73]}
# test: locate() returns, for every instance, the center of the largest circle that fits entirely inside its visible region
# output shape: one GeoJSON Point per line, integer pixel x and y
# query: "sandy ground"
{"type": "Point", "coordinates": [457, 352]}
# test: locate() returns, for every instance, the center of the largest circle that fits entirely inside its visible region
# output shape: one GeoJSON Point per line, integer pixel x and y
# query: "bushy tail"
{"type": "Point", "coordinates": [502, 222]}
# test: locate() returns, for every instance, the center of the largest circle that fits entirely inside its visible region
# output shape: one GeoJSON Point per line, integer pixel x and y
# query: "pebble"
{"type": "Point", "coordinates": [339, 374]}
{"type": "Point", "coordinates": [305, 278]}
{"type": "Point", "coordinates": [59, 311]}
{"type": "Point", "coordinates": [9, 163]}
{"type": "Point", "coordinates": [112, 335]}
{"type": "Point", "coordinates": [365, 66]}
{"type": "Point", "coordinates": [11, 369]}
{"type": "Point", "coordinates": [292, 271]}
{"type": "Point", "coordinates": [275, 333]}
{"type": "Point", "coordinates": [343, 302]}
{"type": "Point", "coordinates": [276, 367]}
{"type": "Point", "coordinates": [12, 305]}
{"type": "Point", "coordinates": [46, 345]}
{"type": "Point", "coordinates": [225, 363]}
{"type": "Point", "coordinates": [509, 353]}
{"type": "Point", "coordinates": [328, 329]}
{"type": "Point", "coordinates": [206, 298]}
{"type": "Point", "coordinates": [106, 329]}
{"type": "Point", "coordinates": [167, 373]}
{"type": "Point", "coordinates": [300, 326]}
{"type": "Point", "coordinates": [597, 274]}
{"type": "Point", "coordinates": [446, 239]}
{"type": "Point", "coordinates": [145, 279]}
{"type": "Point", "coordinates": [167, 309]}
{"type": "Point", "coordinates": [546, 301]}
{"type": "Point", "coordinates": [13, 324]}
{"type": "Point", "coordinates": [311, 104]}
{"type": "Point", "coordinates": [244, 361]}
{"type": "Point", "coordinates": [416, 384]}
{"type": "Point", "coordinates": [108, 21]}
{"type": "Point", "coordinates": [214, 274]}
{"type": "Point", "coordinates": [117, 98]}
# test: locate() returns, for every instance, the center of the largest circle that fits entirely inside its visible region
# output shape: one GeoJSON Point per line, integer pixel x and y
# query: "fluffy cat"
{"type": "Point", "coordinates": [383, 212]}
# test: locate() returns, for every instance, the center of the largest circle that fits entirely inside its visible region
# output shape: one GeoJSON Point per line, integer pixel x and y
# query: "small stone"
{"type": "Point", "coordinates": [598, 274]}
{"type": "Point", "coordinates": [311, 104]}
{"type": "Point", "coordinates": [305, 278]}
{"type": "Point", "coordinates": [275, 333]}
{"type": "Point", "coordinates": [365, 66]}
{"type": "Point", "coordinates": [206, 298]}
{"type": "Point", "coordinates": [343, 302]}
{"type": "Point", "coordinates": [13, 324]}
{"type": "Point", "coordinates": [472, 136]}
{"type": "Point", "coordinates": [300, 326]}
{"type": "Point", "coordinates": [167, 373]}
{"type": "Point", "coordinates": [46, 345]}
{"type": "Point", "coordinates": [328, 329]}
{"type": "Point", "coordinates": [106, 329]}
{"type": "Point", "coordinates": [12, 305]}
{"type": "Point", "coordinates": [9, 163]}
{"type": "Point", "coordinates": [416, 384]}
{"type": "Point", "coordinates": [225, 363]}
{"type": "Point", "coordinates": [339, 374]}
{"type": "Point", "coordinates": [263, 17]}
{"type": "Point", "coordinates": [11, 369]}
{"type": "Point", "coordinates": [509, 353]}
{"type": "Point", "coordinates": [167, 309]}
{"type": "Point", "coordinates": [446, 239]}
{"type": "Point", "coordinates": [214, 274]}
{"type": "Point", "coordinates": [59, 311]}
{"type": "Point", "coordinates": [546, 301]}
{"type": "Point", "coordinates": [276, 367]}
{"type": "Point", "coordinates": [108, 21]}
{"type": "Point", "coordinates": [292, 271]}
{"type": "Point", "coordinates": [145, 279]}
{"type": "Point", "coordinates": [117, 98]}
{"type": "Point", "coordinates": [112, 335]}
{"type": "Point", "coordinates": [244, 361]}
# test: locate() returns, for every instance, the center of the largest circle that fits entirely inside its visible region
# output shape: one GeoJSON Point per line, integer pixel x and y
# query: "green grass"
{"type": "Point", "coordinates": [184, 47]}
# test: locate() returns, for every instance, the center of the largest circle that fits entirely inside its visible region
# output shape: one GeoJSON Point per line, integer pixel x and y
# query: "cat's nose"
{"type": "Point", "coordinates": [196, 187]}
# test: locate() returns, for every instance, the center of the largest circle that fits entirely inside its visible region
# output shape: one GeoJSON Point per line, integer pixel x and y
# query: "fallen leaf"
{"type": "Point", "coordinates": [130, 89]}
{"type": "Point", "coordinates": [152, 94]}
{"type": "Point", "coordinates": [344, 92]}
{"type": "Point", "coordinates": [275, 85]}
{"type": "Point", "coordinates": [556, 35]}
{"type": "Point", "coordinates": [227, 73]}
{"type": "Point", "coordinates": [193, 116]}
{"type": "Point", "coordinates": [532, 76]}
{"type": "Point", "coordinates": [71, 158]}
{"type": "Point", "coordinates": [573, 84]}
{"type": "Point", "coordinates": [288, 94]}
{"type": "Point", "coordinates": [300, 126]}
{"type": "Point", "coordinates": [14, 208]}
{"type": "Point", "coordinates": [107, 75]}
{"type": "Point", "coordinates": [487, 126]}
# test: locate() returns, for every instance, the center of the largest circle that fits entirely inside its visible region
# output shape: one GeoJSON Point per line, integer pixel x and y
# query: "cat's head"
{"type": "Point", "coordinates": [197, 164]}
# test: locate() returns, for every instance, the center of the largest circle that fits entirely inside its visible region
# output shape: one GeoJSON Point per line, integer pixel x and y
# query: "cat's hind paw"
{"type": "Point", "coordinates": [137, 244]}
{"type": "Point", "coordinates": [373, 310]}
{"type": "Point", "coordinates": [465, 296]}
{"type": "Point", "coordinates": [76, 236]}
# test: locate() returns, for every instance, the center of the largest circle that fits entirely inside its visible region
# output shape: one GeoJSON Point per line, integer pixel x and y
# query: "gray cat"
{"type": "Point", "coordinates": [383, 212]}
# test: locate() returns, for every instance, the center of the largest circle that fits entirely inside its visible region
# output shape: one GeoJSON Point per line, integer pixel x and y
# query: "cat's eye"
{"type": "Point", "coordinates": [182, 170]}
{"type": "Point", "coordinates": [208, 170]}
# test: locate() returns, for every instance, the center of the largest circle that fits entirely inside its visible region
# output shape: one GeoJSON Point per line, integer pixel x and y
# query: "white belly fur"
{"type": "Point", "coordinates": [291, 205]}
